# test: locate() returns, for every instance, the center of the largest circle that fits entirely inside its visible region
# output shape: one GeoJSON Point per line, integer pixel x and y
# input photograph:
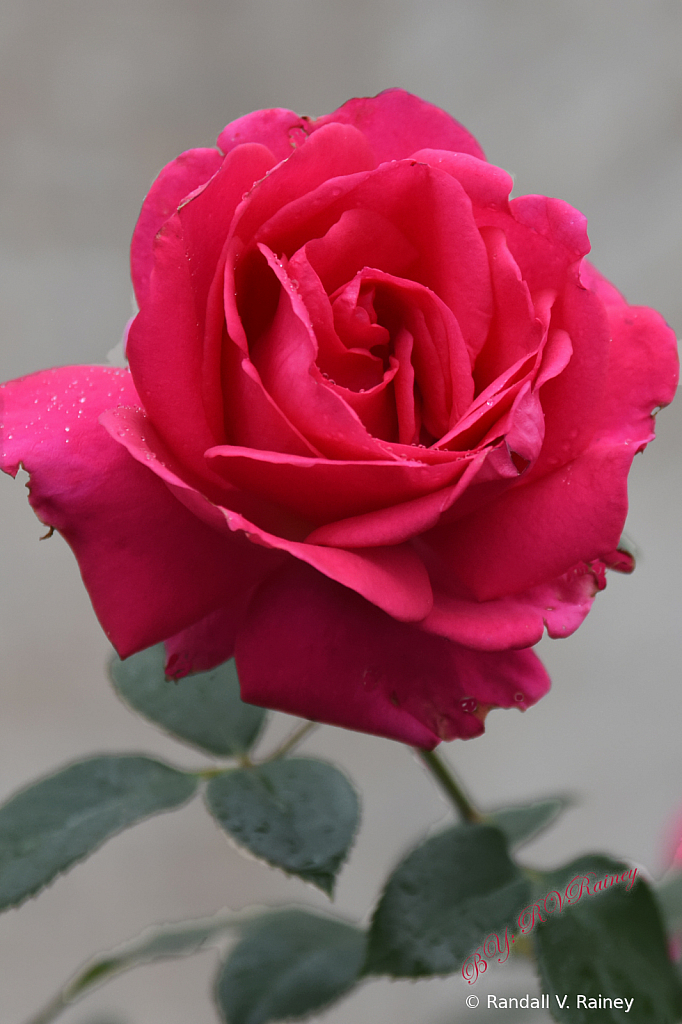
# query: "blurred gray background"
{"type": "Point", "coordinates": [580, 99]}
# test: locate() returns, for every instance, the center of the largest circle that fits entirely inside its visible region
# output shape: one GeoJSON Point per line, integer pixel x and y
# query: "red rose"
{"type": "Point", "coordinates": [376, 430]}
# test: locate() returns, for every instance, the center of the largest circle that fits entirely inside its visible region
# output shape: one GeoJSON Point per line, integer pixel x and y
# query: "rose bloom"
{"type": "Point", "coordinates": [376, 429]}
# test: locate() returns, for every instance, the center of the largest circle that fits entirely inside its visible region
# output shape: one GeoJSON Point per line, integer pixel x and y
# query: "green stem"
{"type": "Point", "coordinates": [294, 739]}
{"type": "Point", "coordinates": [443, 775]}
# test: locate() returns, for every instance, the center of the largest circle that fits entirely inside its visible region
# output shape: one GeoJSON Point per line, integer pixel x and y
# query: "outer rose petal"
{"type": "Point", "coordinates": [392, 577]}
{"type": "Point", "coordinates": [166, 340]}
{"type": "Point", "coordinates": [177, 179]}
{"type": "Point", "coordinates": [151, 567]}
{"type": "Point", "coordinates": [643, 367]}
{"type": "Point", "coordinates": [279, 129]}
{"type": "Point", "coordinates": [313, 648]}
{"type": "Point", "coordinates": [208, 643]}
{"type": "Point", "coordinates": [518, 620]}
{"type": "Point", "coordinates": [396, 124]}
{"type": "Point", "coordinates": [535, 533]}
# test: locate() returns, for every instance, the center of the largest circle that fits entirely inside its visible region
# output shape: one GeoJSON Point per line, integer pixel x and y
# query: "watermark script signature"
{"type": "Point", "coordinates": [553, 903]}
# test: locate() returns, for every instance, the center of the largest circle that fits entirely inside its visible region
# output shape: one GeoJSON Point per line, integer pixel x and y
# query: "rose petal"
{"type": "Point", "coordinates": [310, 647]}
{"type": "Point", "coordinates": [356, 367]}
{"type": "Point", "coordinates": [177, 179]}
{"type": "Point", "coordinates": [394, 577]}
{"type": "Point", "coordinates": [336, 151]}
{"type": "Point", "coordinates": [643, 366]}
{"type": "Point", "coordinates": [166, 340]}
{"type": "Point", "coordinates": [572, 400]}
{"type": "Point", "coordinates": [279, 129]}
{"type": "Point", "coordinates": [208, 642]}
{"type": "Point", "coordinates": [537, 530]}
{"type": "Point", "coordinates": [484, 183]}
{"type": "Point", "coordinates": [401, 522]}
{"type": "Point", "coordinates": [515, 332]}
{"type": "Point", "coordinates": [438, 355]}
{"type": "Point", "coordinates": [433, 212]}
{"type": "Point", "coordinates": [545, 236]}
{"type": "Point", "coordinates": [396, 124]}
{"type": "Point", "coordinates": [517, 620]}
{"type": "Point", "coordinates": [358, 239]}
{"type": "Point", "coordinates": [164, 349]}
{"type": "Point", "coordinates": [150, 566]}
{"type": "Point", "coordinates": [284, 357]}
{"type": "Point", "coordinates": [322, 490]}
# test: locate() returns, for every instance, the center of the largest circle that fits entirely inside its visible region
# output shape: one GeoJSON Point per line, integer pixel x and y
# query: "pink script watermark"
{"type": "Point", "coordinates": [553, 903]}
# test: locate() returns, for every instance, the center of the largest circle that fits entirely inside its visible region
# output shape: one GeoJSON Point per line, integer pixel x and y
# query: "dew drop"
{"type": "Point", "coordinates": [519, 697]}
{"type": "Point", "coordinates": [469, 704]}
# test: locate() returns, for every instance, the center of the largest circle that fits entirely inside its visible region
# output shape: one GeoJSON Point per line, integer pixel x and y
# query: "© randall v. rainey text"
{"type": "Point", "coordinates": [582, 1002]}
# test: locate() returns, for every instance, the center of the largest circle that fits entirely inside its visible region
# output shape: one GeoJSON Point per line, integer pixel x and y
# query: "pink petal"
{"type": "Point", "coordinates": [573, 399]}
{"type": "Point", "coordinates": [517, 620]}
{"type": "Point", "coordinates": [355, 367]}
{"type": "Point", "coordinates": [642, 375]}
{"type": "Point", "coordinates": [393, 577]}
{"type": "Point", "coordinates": [515, 331]}
{"type": "Point", "coordinates": [166, 341]}
{"type": "Point", "coordinates": [208, 642]}
{"type": "Point", "coordinates": [151, 567]}
{"type": "Point", "coordinates": [336, 151]}
{"type": "Point", "coordinates": [279, 129]}
{"type": "Point", "coordinates": [537, 530]}
{"type": "Point", "coordinates": [284, 357]}
{"type": "Point", "coordinates": [439, 356]}
{"type": "Point", "coordinates": [177, 179]}
{"type": "Point", "coordinates": [396, 124]}
{"type": "Point", "coordinates": [484, 183]}
{"type": "Point", "coordinates": [400, 522]}
{"type": "Point", "coordinates": [545, 236]}
{"type": "Point", "coordinates": [434, 214]}
{"type": "Point", "coordinates": [358, 239]}
{"type": "Point", "coordinates": [323, 490]}
{"type": "Point", "coordinates": [312, 648]}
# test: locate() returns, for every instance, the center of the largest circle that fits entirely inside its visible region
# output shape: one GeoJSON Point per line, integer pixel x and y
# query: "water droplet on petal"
{"type": "Point", "coordinates": [519, 697]}
{"type": "Point", "coordinates": [469, 704]}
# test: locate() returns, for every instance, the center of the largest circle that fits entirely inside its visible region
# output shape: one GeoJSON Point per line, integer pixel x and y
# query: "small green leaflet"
{"type": "Point", "coordinates": [443, 901]}
{"type": "Point", "coordinates": [521, 824]}
{"type": "Point", "coordinates": [57, 821]}
{"type": "Point", "coordinates": [159, 943]}
{"type": "Point", "coordinates": [606, 944]}
{"type": "Point", "coordinates": [298, 814]}
{"type": "Point", "coordinates": [288, 964]}
{"type": "Point", "coordinates": [204, 709]}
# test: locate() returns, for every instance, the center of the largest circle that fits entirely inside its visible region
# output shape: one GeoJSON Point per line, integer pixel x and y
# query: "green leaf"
{"type": "Point", "coordinates": [668, 895]}
{"type": "Point", "coordinates": [159, 943]}
{"type": "Point", "coordinates": [443, 901]}
{"type": "Point", "coordinates": [288, 964]}
{"type": "Point", "coordinates": [298, 814]}
{"type": "Point", "coordinates": [521, 824]}
{"type": "Point", "coordinates": [606, 942]}
{"type": "Point", "coordinates": [204, 709]}
{"type": "Point", "coordinates": [57, 821]}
